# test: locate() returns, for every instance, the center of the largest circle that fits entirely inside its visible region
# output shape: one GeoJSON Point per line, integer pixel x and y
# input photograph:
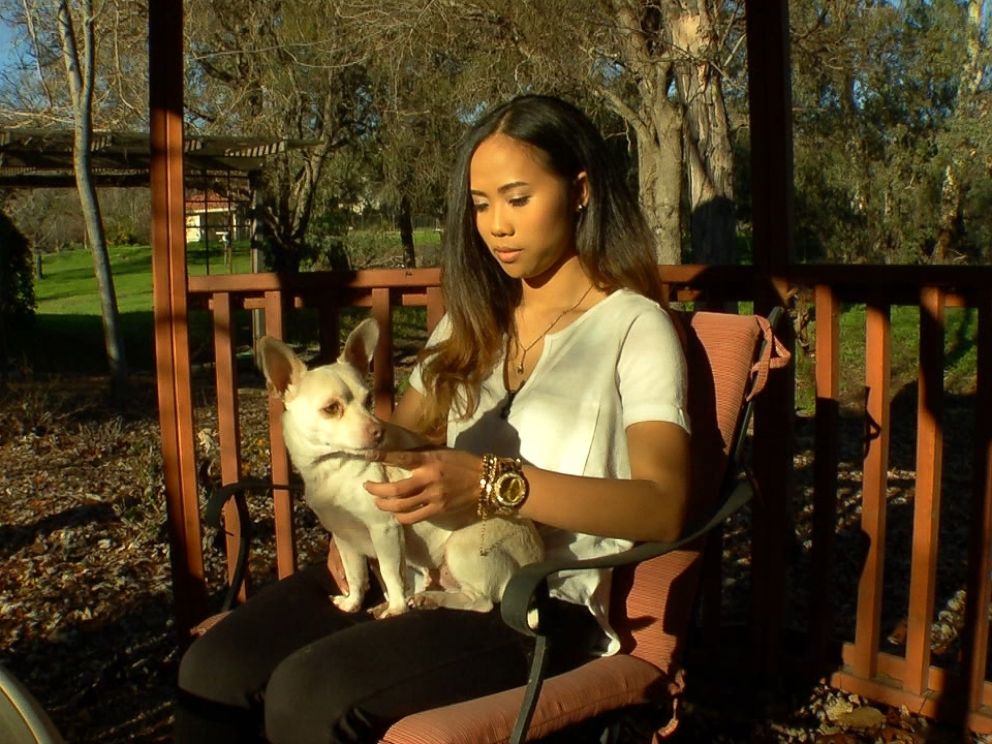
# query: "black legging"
{"type": "Point", "coordinates": [289, 658]}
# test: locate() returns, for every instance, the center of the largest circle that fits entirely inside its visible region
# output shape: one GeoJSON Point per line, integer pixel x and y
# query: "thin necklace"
{"type": "Point", "coordinates": [532, 344]}
{"type": "Point", "coordinates": [511, 394]}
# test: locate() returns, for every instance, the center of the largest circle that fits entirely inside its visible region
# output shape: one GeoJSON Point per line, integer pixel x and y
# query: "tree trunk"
{"type": "Point", "coordinates": [709, 155]}
{"type": "Point", "coordinates": [659, 168]}
{"type": "Point", "coordinates": [657, 123]}
{"type": "Point", "coordinates": [287, 198]}
{"type": "Point", "coordinates": [97, 239]}
{"type": "Point", "coordinates": [405, 223]}
{"type": "Point", "coordinates": [80, 75]}
{"type": "Point", "coordinates": [950, 228]}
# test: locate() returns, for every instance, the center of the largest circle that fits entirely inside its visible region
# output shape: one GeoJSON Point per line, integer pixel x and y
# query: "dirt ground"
{"type": "Point", "coordinates": [86, 600]}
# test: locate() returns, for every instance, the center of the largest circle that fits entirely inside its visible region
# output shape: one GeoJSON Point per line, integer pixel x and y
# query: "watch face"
{"type": "Point", "coordinates": [511, 489]}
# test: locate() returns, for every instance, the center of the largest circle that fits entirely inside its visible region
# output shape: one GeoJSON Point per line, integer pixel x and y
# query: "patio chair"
{"type": "Point", "coordinates": [654, 585]}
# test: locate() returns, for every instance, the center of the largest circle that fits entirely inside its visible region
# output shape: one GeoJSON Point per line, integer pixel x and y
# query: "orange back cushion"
{"type": "Point", "coordinates": [652, 601]}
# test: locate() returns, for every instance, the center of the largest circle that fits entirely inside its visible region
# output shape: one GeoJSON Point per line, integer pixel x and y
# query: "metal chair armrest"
{"type": "Point", "coordinates": [527, 592]}
{"type": "Point", "coordinates": [219, 496]}
{"type": "Point", "coordinates": [527, 588]}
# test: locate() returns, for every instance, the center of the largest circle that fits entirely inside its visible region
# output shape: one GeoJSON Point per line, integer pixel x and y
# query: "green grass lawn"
{"type": "Point", "coordinates": [69, 286]}
{"type": "Point", "coordinates": [960, 354]}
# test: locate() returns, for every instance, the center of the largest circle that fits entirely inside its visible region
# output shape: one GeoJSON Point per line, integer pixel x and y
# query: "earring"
{"type": "Point", "coordinates": [581, 208]}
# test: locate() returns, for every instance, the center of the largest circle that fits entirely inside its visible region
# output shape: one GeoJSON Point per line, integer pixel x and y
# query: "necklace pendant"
{"type": "Point", "coordinates": [520, 369]}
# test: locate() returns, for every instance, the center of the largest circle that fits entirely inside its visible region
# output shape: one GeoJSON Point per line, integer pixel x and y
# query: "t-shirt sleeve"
{"type": "Point", "coordinates": [651, 373]}
{"type": "Point", "coordinates": [441, 331]}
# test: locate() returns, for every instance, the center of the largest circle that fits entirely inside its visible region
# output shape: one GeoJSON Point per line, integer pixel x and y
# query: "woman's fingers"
{"type": "Point", "coordinates": [440, 480]}
{"type": "Point", "coordinates": [404, 497]}
{"type": "Point", "coordinates": [408, 510]}
{"type": "Point", "coordinates": [395, 489]}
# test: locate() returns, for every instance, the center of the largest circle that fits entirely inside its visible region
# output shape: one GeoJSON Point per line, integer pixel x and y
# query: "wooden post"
{"type": "Point", "coordinates": [769, 90]}
{"type": "Point", "coordinates": [165, 91]}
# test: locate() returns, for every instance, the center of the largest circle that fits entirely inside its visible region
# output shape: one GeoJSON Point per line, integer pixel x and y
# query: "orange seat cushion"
{"type": "Point", "coordinates": [602, 685]}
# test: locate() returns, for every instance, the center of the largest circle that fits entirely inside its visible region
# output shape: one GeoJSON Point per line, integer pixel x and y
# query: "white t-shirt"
{"type": "Point", "coordinates": [618, 364]}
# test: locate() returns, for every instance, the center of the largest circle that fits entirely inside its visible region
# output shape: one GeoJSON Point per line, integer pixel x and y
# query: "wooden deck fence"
{"type": "Point", "coordinates": [859, 664]}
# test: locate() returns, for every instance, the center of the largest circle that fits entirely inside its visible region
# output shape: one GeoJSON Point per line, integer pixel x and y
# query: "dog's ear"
{"type": "Point", "coordinates": [360, 346]}
{"type": "Point", "coordinates": [279, 364]}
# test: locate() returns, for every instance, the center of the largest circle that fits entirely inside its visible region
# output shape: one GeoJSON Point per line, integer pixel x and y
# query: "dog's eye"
{"type": "Point", "coordinates": [334, 409]}
{"type": "Point", "coordinates": [367, 402]}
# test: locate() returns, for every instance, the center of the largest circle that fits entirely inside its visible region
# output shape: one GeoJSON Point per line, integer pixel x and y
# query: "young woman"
{"type": "Point", "coordinates": [556, 379]}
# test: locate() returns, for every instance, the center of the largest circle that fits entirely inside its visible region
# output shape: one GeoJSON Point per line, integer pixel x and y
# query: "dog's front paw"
{"type": "Point", "coordinates": [384, 610]}
{"type": "Point", "coordinates": [423, 601]}
{"type": "Point", "coordinates": [349, 603]}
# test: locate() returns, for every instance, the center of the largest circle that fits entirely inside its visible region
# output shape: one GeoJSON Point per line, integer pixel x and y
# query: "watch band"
{"type": "Point", "coordinates": [503, 488]}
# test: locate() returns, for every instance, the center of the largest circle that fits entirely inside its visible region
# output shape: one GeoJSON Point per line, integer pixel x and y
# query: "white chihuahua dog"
{"type": "Point", "coordinates": [329, 431]}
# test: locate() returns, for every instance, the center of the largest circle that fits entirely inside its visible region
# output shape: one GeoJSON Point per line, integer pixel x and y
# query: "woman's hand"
{"type": "Point", "coordinates": [441, 481]}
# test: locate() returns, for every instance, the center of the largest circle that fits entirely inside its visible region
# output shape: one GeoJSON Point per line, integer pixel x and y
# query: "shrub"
{"type": "Point", "coordinates": [17, 300]}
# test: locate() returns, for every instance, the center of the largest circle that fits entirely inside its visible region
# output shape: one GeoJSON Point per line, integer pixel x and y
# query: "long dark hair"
{"type": "Point", "coordinates": [612, 238]}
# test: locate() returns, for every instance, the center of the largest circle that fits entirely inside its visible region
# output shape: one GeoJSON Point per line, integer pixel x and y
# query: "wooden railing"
{"type": "Point", "coordinates": [961, 693]}
{"type": "Point", "coordinates": [856, 664]}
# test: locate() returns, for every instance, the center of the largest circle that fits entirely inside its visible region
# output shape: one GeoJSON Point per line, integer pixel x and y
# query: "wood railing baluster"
{"type": "Point", "coordinates": [228, 425]}
{"type": "Point", "coordinates": [282, 505]}
{"type": "Point", "coordinates": [976, 633]}
{"type": "Point", "coordinates": [435, 307]}
{"type": "Point", "coordinates": [330, 328]}
{"type": "Point", "coordinates": [874, 486]}
{"type": "Point", "coordinates": [826, 454]}
{"type": "Point", "coordinates": [926, 501]}
{"type": "Point", "coordinates": [382, 364]}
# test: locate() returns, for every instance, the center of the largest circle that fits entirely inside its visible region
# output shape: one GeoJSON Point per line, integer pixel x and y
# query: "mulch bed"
{"type": "Point", "coordinates": [86, 599]}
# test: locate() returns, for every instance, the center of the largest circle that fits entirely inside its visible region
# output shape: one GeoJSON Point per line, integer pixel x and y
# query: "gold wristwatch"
{"type": "Point", "coordinates": [503, 488]}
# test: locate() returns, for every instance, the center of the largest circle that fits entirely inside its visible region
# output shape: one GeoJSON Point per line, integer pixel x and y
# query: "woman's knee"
{"type": "Point", "coordinates": [212, 670]}
{"type": "Point", "coordinates": [309, 700]}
